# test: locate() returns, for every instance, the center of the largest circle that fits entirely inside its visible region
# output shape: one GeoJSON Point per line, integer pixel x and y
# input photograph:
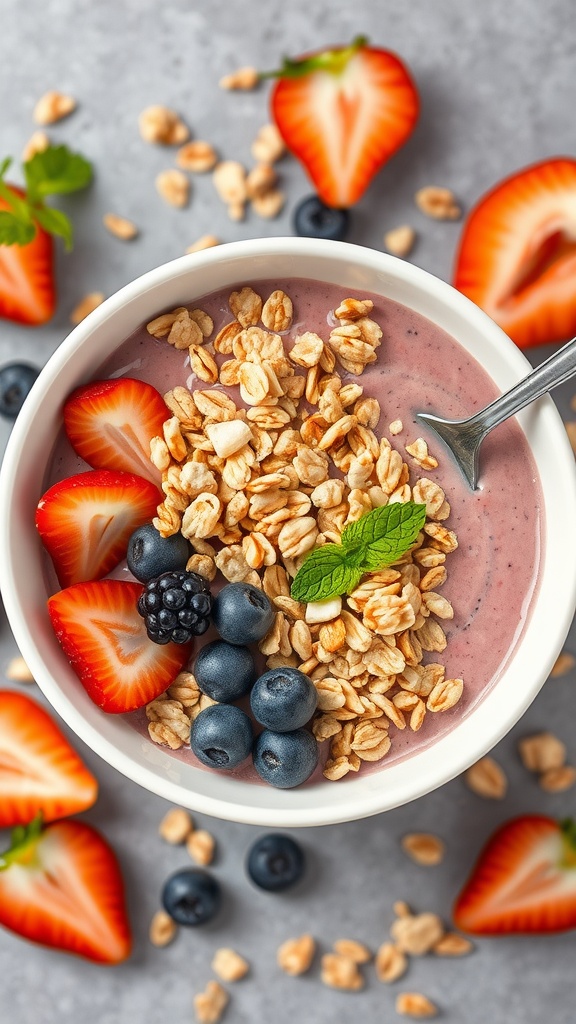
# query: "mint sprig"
{"type": "Point", "coordinates": [375, 540]}
{"type": "Point", "coordinates": [54, 171]}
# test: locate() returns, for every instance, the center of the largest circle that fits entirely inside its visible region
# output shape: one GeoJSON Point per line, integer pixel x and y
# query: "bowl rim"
{"type": "Point", "coordinates": [360, 797]}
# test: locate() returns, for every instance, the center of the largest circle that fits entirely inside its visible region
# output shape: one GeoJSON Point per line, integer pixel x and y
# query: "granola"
{"type": "Point", "coordinates": [263, 482]}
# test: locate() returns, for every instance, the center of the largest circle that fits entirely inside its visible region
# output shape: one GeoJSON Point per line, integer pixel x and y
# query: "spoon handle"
{"type": "Point", "coordinates": [553, 371]}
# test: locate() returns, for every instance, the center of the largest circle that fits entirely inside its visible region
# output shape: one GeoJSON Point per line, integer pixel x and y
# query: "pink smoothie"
{"type": "Point", "coordinates": [493, 575]}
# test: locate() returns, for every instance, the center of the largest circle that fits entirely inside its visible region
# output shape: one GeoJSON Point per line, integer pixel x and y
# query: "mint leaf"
{"type": "Point", "coordinates": [325, 573]}
{"type": "Point", "coordinates": [56, 170]}
{"type": "Point", "coordinates": [384, 534]}
{"type": "Point", "coordinates": [55, 222]}
{"type": "Point", "coordinates": [14, 231]}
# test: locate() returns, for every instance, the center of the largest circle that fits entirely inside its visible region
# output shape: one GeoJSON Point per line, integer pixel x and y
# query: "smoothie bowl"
{"type": "Point", "coordinates": [251, 411]}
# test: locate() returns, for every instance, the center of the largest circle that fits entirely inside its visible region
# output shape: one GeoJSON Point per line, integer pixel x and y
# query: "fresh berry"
{"type": "Point", "coordinates": [16, 380]}
{"type": "Point", "coordinates": [39, 770]}
{"type": "Point", "coordinates": [524, 881]}
{"type": "Point", "coordinates": [285, 759]}
{"type": "Point", "coordinates": [242, 613]}
{"type": "Point", "coordinates": [221, 736]}
{"type": "Point", "coordinates": [86, 520]}
{"type": "Point", "coordinates": [61, 886]}
{"type": "Point", "coordinates": [149, 554]}
{"type": "Point", "coordinates": [225, 672]}
{"type": "Point", "coordinates": [104, 638]}
{"type": "Point", "coordinates": [516, 254]}
{"type": "Point", "coordinates": [110, 424]}
{"type": "Point", "coordinates": [313, 219]}
{"type": "Point", "coordinates": [343, 113]}
{"type": "Point", "coordinates": [191, 897]}
{"type": "Point", "coordinates": [283, 699]}
{"type": "Point", "coordinates": [175, 607]}
{"type": "Point", "coordinates": [275, 862]}
{"type": "Point", "coordinates": [27, 290]}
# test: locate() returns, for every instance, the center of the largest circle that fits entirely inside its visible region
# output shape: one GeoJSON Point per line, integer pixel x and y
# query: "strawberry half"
{"type": "Point", "coordinates": [86, 521]}
{"type": "Point", "coordinates": [517, 254]}
{"type": "Point", "coordinates": [343, 113]}
{"type": "Point", "coordinates": [110, 424]}
{"type": "Point", "coordinates": [39, 770]}
{"type": "Point", "coordinates": [524, 881]}
{"type": "Point", "coordinates": [61, 887]}
{"type": "Point", "coordinates": [104, 637]}
{"type": "Point", "coordinates": [27, 288]}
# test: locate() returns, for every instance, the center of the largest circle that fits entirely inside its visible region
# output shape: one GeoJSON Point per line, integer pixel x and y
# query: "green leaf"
{"type": "Point", "coordinates": [14, 231]}
{"type": "Point", "coordinates": [325, 573]}
{"type": "Point", "coordinates": [56, 170]}
{"type": "Point", "coordinates": [55, 222]}
{"type": "Point", "coordinates": [333, 61]}
{"type": "Point", "coordinates": [5, 165]}
{"type": "Point", "coordinates": [384, 534]}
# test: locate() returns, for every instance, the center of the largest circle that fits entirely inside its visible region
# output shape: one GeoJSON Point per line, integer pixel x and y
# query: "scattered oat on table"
{"type": "Point", "coordinates": [229, 965]}
{"type": "Point", "coordinates": [37, 143]}
{"type": "Point", "coordinates": [163, 929]}
{"type": "Point", "coordinates": [390, 963]}
{"type": "Point", "coordinates": [120, 227]}
{"type": "Point", "coordinates": [161, 125]}
{"type": "Point", "coordinates": [453, 944]}
{"type": "Point", "coordinates": [210, 1004]}
{"type": "Point", "coordinates": [423, 847]}
{"type": "Point", "coordinates": [339, 971]}
{"type": "Point", "coordinates": [564, 663]}
{"type": "Point", "coordinates": [438, 203]}
{"type": "Point", "coordinates": [356, 951]}
{"type": "Point", "coordinates": [18, 672]}
{"type": "Point", "coordinates": [295, 956]}
{"type": "Point", "coordinates": [414, 1004]}
{"type": "Point", "coordinates": [174, 187]}
{"type": "Point", "coordinates": [487, 779]}
{"type": "Point", "coordinates": [204, 242]}
{"type": "Point", "coordinates": [197, 157]}
{"type": "Point", "coordinates": [557, 780]}
{"type": "Point", "coordinates": [176, 826]}
{"type": "Point", "coordinates": [400, 241]}
{"type": "Point", "coordinates": [52, 107]}
{"type": "Point", "coordinates": [243, 79]}
{"type": "Point", "coordinates": [417, 934]}
{"type": "Point", "coordinates": [542, 752]}
{"type": "Point", "coordinates": [201, 846]}
{"type": "Point", "coordinates": [86, 305]}
{"type": "Point", "coordinates": [268, 146]}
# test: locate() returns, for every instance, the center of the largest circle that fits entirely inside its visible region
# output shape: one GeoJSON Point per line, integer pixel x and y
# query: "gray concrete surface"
{"type": "Point", "coordinates": [497, 88]}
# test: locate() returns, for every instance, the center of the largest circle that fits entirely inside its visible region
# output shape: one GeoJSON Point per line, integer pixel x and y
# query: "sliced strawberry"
{"type": "Point", "coordinates": [39, 770]}
{"type": "Point", "coordinates": [517, 254]}
{"type": "Point", "coordinates": [85, 521]}
{"type": "Point", "coordinates": [27, 288]}
{"type": "Point", "coordinates": [61, 887]}
{"type": "Point", "coordinates": [343, 113]}
{"type": "Point", "coordinates": [104, 638]}
{"type": "Point", "coordinates": [524, 880]}
{"type": "Point", "coordinates": [110, 424]}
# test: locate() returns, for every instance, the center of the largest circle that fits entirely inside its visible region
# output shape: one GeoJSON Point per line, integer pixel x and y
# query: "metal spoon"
{"type": "Point", "coordinates": [464, 437]}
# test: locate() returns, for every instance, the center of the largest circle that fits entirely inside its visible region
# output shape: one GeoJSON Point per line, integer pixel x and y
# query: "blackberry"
{"type": "Point", "coordinates": [175, 607]}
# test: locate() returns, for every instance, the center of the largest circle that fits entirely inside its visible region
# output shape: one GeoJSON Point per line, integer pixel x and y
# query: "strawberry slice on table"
{"type": "Point", "coordinates": [104, 637]}
{"type": "Point", "coordinates": [61, 886]}
{"type": "Point", "coordinates": [524, 881]}
{"type": "Point", "coordinates": [27, 224]}
{"type": "Point", "coordinates": [517, 253]}
{"type": "Point", "coordinates": [86, 521]}
{"type": "Point", "coordinates": [39, 770]}
{"type": "Point", "coordinates": [343, 113]}
{"type": "Point", "coordinates": [110, 424]}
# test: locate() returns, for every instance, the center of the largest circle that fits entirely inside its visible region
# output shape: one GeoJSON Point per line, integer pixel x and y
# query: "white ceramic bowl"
{"type": "Point", "coordinates": [77, 360]}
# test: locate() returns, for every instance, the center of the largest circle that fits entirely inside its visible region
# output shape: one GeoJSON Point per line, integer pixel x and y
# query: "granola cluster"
{"type": "Point", "coordinates": [254, 484]}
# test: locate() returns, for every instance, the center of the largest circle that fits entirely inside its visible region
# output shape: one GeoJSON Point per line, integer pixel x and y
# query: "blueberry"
{"type": "Point", "coordinates": [285, 759]}
{"type": "Point", "coordinates": [150, 555]}
{"type": "Point", "coordinates": [224, 671]}
{"type": "Point", "coordinates": [191, 896]}
{"type": "Point", "coordinates": [221, 736]}
{"type": "Point", "coordinates": [275, 862]}
{"type": "Point", "coordinates": [16, 380]}
{"type": "Point", "coordinates": [242, 614]}
{"type": "Point", "coordinates": [313, 219]}
{"type": "Point", "coordinates": [283, 699]}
